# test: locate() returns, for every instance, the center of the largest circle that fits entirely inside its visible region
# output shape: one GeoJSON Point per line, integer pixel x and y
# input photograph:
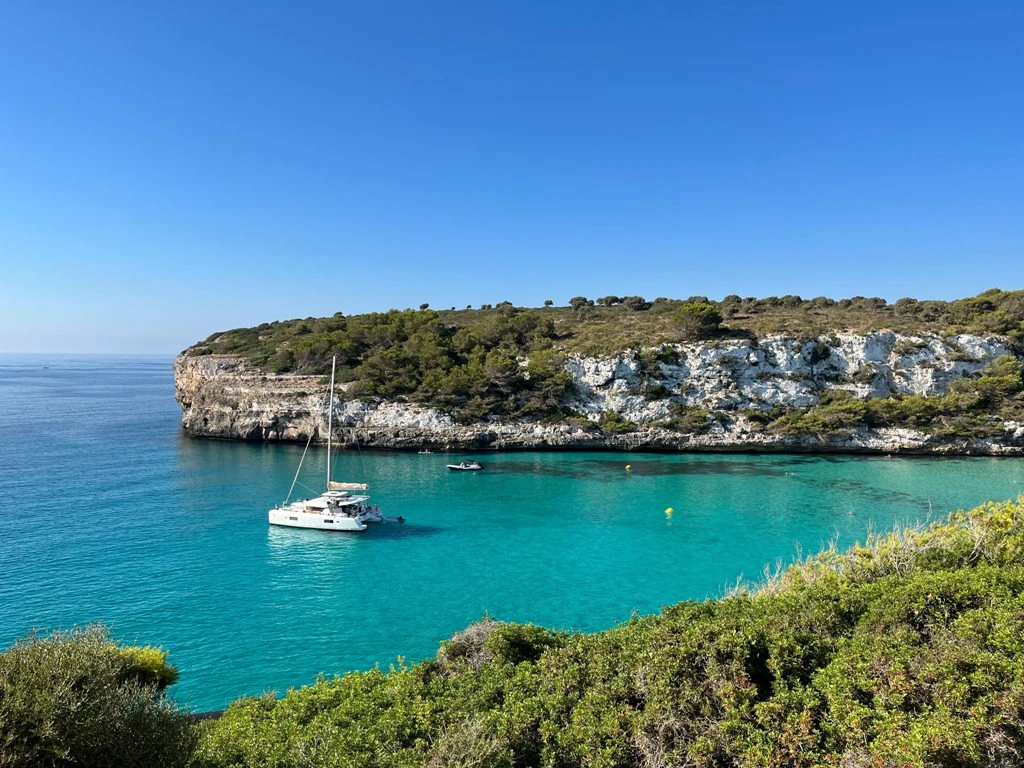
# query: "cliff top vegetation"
{"type": "Point", "coordinates": [611, 324]}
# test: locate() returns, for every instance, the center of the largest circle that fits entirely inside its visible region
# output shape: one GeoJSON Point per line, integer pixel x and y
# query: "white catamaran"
{"type": "Point", "coordinates": [336, 509]}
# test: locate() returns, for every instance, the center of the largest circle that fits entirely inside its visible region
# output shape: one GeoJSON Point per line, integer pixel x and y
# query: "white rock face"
{"type": "Point", "coordinates": [225, 397]}
{"type": "Point", "coordinates": [745, 374]}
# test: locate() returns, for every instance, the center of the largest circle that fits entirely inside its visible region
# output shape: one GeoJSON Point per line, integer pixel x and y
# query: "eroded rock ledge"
{"type": "Point", "coordinates": [225, 397]}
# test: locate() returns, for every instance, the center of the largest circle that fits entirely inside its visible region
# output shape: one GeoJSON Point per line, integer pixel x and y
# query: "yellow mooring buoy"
{"type": "Point", "coordinates": [628, 467]}
{"type": "Point", "coordinates": [668, 512]}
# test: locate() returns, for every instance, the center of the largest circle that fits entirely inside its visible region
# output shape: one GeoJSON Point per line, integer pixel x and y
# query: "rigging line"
{"type": "Point", "coordinates": [311, 490]}
{"type": "Point", "coordinates": [359, 451]}
{"type": "Point", "coordinates": [299, 469]}
{"type": "Point", "coordinates": [330, 421]}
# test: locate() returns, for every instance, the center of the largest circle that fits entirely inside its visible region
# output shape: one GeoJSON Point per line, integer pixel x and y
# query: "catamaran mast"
{"type": "Point", "coordinates": [330, 423]}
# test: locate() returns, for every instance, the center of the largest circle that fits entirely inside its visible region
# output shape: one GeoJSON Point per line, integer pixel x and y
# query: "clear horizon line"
{"type": "Point", "coordinates": [91, 353]}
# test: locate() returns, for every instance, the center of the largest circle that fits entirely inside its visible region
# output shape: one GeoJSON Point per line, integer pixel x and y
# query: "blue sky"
{"type": "Point", "coordinates": [172, 169]}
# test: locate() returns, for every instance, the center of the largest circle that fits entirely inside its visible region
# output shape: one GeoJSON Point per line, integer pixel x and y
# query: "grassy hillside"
{"type": "Point", "coordinates": [906, 651]}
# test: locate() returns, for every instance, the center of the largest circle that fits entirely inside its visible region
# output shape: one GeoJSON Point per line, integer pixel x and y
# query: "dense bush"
{"type": "Point", "coordinates": [613, 423]}
{"type": "Point", "coordinates": [472, 371]}
{"type": "Point", "coordinates": [76, 699]}
{"type": "Point", "coordinates": [697, 320]}
{"type": "Point", "coordinates": [689, 419]}
{"type": "Point", "coordinates": [636, 303]}
{"type": "Point", "coordinates": [905, 651]}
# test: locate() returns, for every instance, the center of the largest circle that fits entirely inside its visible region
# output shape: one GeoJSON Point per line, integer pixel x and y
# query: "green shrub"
{"type": "Point", "coordinates": [470, 743]}
{"type": "Point", "coordinates": [906, 347]}
{"type": "Point", "coordinates": [516, 643]}
{"type": "Point", "coordinates": [612, 423]}
{"type": "Point", "coordinates": [148, 666]}
{"type": "Point", "coordinates": [697, 320]}
{"type": "Point", "coordinates": [689, 419]}
{"type": "Point", "coordinates": [818, 352]}
{"type": "Point", "coordinates": [668, 355]}
{"type": "Point", "coordinates": [76, 699]}
{"type": "Point", "coordinates": [864, 375]}
{"type": "Point", "coordinates": [636, 303]}
{"type": "Point", "coordinates": [838, 412]}
{"type": "Point", "coordinates": [656, 391]}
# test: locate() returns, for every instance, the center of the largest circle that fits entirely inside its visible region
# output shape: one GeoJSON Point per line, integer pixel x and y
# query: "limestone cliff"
{"type": "Point", "coordinates": [224, 397]}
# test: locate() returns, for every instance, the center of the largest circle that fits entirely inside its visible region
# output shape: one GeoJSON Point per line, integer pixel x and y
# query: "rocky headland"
{"type": "Point", "coordinates": [624, 402]}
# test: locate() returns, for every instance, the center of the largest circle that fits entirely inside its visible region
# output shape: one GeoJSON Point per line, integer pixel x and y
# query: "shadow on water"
{"type": "Point", "coordinates": [789, 466]}
{"type": "Point", "coordinates": [612, 469]}
{"type": "Point", "coordinates": [865, 490]}
{"type": "Point", "coordinates": [391, 531]}
{"type": "Point", "coordinates": [298, 539]}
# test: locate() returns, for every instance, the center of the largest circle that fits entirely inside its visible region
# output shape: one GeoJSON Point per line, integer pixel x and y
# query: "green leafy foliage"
{"type": "Point", "coordinates": [907, 650]}
{"type": "Point", "coordinates": [612, 423]}
{"type": "Point", "coordinates": [148, 666]}
{"type": "Point", "coordinates": [473, 371]}
{"type": "Point", "coordinates": [697, 320]}
{"type": "Point", "coordinates": [690, 420]}
{"type": "Point", "coordinates": [612, 326]}
{"type": "Point", "coordinates": [76, 699]}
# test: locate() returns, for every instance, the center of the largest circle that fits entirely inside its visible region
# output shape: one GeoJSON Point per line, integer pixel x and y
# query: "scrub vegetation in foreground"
{"type": "Point", "coordinates": [78, 699]}
{"type": "Point", "coordinates": [905, 651]}
{"type": "Point", "coordinates": [509, 361]}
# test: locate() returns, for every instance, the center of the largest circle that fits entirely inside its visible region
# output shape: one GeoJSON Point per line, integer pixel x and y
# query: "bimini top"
{"type": "Point", "coordinates": [334, 485]}
{"type": "Point", "coordinates": [334, 499]}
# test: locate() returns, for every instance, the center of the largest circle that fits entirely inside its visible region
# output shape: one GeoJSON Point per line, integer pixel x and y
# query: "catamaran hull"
{"type": "Point", "coordinates": [294, 519]}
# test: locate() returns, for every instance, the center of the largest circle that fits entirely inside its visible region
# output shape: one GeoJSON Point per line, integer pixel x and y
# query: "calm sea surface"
{"type": "Point", "coordinates": [108, 513]}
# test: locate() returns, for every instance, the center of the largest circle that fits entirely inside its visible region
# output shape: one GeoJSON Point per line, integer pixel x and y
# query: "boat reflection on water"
{"type": "Point", "coordinates": [305, 544]}
{"type": "Point", "coordinates": [296, 543]}
{"type": "Point", "coordinates": [302, 559]}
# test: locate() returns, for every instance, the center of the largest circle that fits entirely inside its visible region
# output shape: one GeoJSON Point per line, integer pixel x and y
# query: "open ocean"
{"type": "Point", "coordinates": [109, 513]}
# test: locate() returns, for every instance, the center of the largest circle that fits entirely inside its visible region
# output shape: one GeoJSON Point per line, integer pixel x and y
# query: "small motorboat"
{"type": "Point", "coordinates": [466, 466]}
{"type": "Point", "coordinates": [425, 450]}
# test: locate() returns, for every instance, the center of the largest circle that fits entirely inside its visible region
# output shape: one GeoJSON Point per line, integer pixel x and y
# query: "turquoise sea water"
{"type": "Point", "coordinates": [108, 513]}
